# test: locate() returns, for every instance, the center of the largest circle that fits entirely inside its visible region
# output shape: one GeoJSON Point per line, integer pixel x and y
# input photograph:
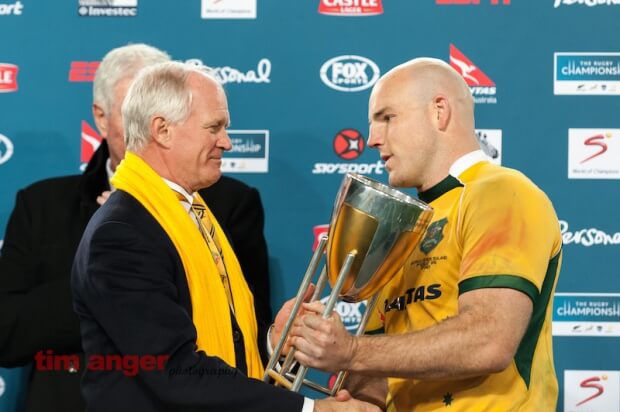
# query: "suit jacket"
{"type": "Point", "coordinates": [41, 238]}
{"type": "Point", "coordinates": [131, 295]}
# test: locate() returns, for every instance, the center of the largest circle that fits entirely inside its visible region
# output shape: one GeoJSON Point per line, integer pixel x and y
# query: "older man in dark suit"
{"type": "Point", "coordinates": [46, 226]}
{"type": "Point", "coordinates": [154, 274]}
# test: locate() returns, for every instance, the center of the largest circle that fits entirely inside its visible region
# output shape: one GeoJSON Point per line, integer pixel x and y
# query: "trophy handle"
{"type": "Point", "coordinates": [305, 284]}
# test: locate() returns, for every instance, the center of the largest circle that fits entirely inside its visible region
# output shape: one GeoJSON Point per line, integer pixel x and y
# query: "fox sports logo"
{"type": "Point", "coordinates": [349, 73]}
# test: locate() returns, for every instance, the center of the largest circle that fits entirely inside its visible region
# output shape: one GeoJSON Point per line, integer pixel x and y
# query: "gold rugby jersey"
{"type": "Point", "coordinates": [492, 228]}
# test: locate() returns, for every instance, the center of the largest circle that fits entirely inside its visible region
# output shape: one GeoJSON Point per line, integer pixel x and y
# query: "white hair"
{"type": "Point", "coordinates": [119, 64]}
{"type": "Point", "coordinates": [158, 90]}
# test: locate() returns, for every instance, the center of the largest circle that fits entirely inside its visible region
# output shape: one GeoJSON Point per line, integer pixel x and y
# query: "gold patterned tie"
{"type": "Point", "coordinates": [207, 230]}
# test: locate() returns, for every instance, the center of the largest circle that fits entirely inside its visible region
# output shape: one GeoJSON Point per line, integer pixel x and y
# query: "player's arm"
{"type": "Point", "coordinates": [483, 338]}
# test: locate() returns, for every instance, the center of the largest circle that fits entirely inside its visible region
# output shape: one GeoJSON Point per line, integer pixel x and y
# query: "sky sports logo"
{"type": "Point", "coordinates": [348, 144]}
{"type": "Point", "coordinates": [594, 153]}
{"type": "Point", "coordinates": [249, 153]}
{"type": "Point", "coordinates": [586, 73]}
{"type": "Point", "coordinates": [589, 391]}
{"type": "Point", "coordinates": [586, 314]}
{"type": "Point", "coordinates": [9, 9]}
{"type": "Point", "coordinates": [482, 87]}
{"type": "Point", "coordinates": [349, 73]}
{"type": "Point", "coordinates": [350, 7]}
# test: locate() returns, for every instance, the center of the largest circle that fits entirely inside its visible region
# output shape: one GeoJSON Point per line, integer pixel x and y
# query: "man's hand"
{"type": "Point", "coordinates": [282, 317]}
{"type": "Point", "coordinates": [322, 343]}
{"type": "Point", "coordinates": [103, 197]}
{"type": "Point", "coordinates": [343, 402]}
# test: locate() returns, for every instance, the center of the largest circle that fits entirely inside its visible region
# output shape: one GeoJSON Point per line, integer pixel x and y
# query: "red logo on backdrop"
{"type": "Point", "coordinates": [596, 140]}
{"type": "Point", "coordinates": [471, 73]}
{"type": "Point", "coordinates": [350, 7]}
{"type": "Point", "coordinates": [591, 383]}
{"type": "Point", "coordinates": [82, 71]}
{"type": "Point", "coordinates": [469, 2]}
{"type": "Point", "coordinates": [8, 77]}
{"type": "Point", "coordinates": [349, 144]}
{"type": "Point", "coordinates": [90, 142]}
{"type": "Point", "coordinates": [318, 231]}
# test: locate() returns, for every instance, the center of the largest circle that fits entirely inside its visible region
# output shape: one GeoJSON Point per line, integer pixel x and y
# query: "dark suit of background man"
{"type": "Point", "coordinates": [143, 280]}
{"type": "Point", "coordinates": [48, 221]}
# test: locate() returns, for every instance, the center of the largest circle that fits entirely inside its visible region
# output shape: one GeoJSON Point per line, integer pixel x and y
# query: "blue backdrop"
{"type": "Point", "coordinates": [546, 75]}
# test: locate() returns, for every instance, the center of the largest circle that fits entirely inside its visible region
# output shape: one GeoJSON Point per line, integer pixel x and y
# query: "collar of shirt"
{"type": "Point", "coordinates": [110, 173]}
{"type": "Point", "coordinates": [177, 188]}
{"type": "Point", "coordinates": [466, 161]}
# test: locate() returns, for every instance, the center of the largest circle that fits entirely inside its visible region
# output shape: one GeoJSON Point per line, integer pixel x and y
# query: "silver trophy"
{"type": "Point", "coordinates": [373, 230]}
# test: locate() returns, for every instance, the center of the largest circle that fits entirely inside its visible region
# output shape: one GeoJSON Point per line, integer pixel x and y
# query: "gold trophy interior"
{"type": "Point", "coordinates": [374, 228]}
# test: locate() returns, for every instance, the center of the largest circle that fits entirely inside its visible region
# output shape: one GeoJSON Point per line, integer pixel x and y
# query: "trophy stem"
{"type": "Point", "coordinates": [360, 331]}
{"type": "Point", "coordinates": [305, 284]}
{"type": "Point", "coordinates": [329, 307]}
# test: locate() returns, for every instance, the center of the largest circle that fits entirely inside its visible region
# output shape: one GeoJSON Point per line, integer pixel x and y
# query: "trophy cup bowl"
{"type": "Point", "coordinates": [373, 230]}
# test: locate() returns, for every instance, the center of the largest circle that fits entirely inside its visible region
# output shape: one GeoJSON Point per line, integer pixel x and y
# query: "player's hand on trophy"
{"type": "Point", "coordinates": [322, 343]}
{"type": "Point", "coordinates": [282, 317]}
{"type": "Point", "coordinates": [343, 402]}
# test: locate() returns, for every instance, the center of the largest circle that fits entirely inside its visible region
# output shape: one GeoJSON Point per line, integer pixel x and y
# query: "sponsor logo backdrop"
{"type": "Point", "coordinates": [298, 75]}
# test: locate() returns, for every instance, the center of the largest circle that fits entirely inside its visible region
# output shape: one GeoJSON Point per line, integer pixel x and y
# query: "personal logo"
{"type": "Point", "coordinates": [482, 87]}
{"type": "Point", "coordinates": [349, 73]}
{"type": "Point", "coordinates": [434, 235]}
{"type": "Point", "coordinates": [8, 77]}
{"type": "Point", "coordinates": [82, 71]}
{"type": "Point", "coordinates": [108, 8]}
{"type": "Point", "coordinates": [349, 144]}
{"type": "Point", "coordinates": [9, 9]}
{"type": "Point", "coordinates": [589, 3]}
{"type": "Point", "coordinates": [6, 149]}
{"type": "Point", "coordinates": [350, 7]}
{"type": "Point", "coordinates": [227, 74]}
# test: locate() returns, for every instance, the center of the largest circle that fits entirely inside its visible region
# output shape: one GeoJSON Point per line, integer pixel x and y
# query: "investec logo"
{"type": "Point", "coordinates": [227, 74]}
{"type": "Point", "coordinates": [6, 149]}
{"type": "Point", "coordinates": [349, 73]}
{"type": "Point", "coordinates": [591, 391]}
{"type": "Point", "coordinates": [11, 9]}
{"type": "Point", "coordinates": [348, 144]}
{"type": "Point", "coordinates": [482, 87]}
{"type": "Point", "coordinates": [350, 7]}
{"type": "Point", "coordinates": [249, 153]}
{"type": "Point", "coordinates": [108, 8]}
{"type": "Point", "coordinates": [586, 314]}
{"type": "Point", "coordinates": [589, 3]}
{"type": "Point", "coordinates": [588, 236]}
{"type": "Point", "coordinates": [586, 73]}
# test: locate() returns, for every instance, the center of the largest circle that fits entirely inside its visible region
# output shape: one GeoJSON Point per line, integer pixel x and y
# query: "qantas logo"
{"type": "Point", "coordinates": [596, 140]}
{"type": "Point", "coordinates": [470, 72]}
{"type": "Point", "coordinates": [413, 295]}
{"type": "Point", "coordinates": [592, 384]}
{"type": "Point", "coordinates": [90, 142]}
{"type": "Point", "coordinates": [482, 87]}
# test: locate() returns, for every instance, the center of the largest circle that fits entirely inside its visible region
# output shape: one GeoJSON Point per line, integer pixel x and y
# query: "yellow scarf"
{"type": "Point", "coordinates": [211, 313]}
